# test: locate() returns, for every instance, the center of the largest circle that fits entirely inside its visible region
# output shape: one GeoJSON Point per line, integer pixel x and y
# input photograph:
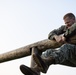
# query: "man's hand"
{"type": "Point", "coordinates": [60, 38]}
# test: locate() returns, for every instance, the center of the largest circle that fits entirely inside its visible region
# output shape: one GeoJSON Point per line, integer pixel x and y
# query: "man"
{"type": "Point", "coordinates": [65, 55]}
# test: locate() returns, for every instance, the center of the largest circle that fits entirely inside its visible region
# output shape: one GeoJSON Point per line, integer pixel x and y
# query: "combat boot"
{"type": "Point", "coordinates": [43, 63]}
{"type": "Point", "coordinates": [30, 71]}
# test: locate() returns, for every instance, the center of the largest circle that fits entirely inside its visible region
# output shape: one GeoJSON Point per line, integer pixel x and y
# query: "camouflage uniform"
{"type": "Point", "coordinates": [66, 54]}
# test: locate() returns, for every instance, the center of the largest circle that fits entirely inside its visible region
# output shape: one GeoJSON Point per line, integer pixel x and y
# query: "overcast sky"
{"type": "Point", "coordinates": [23, 22]}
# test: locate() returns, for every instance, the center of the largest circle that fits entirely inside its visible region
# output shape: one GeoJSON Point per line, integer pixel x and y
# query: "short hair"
{"type": "Point", "coordinates": [70, 15]}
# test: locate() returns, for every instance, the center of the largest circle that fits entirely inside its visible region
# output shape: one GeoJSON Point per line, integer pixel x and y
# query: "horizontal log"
{"type": "Point", "coordinates": [26, 50]}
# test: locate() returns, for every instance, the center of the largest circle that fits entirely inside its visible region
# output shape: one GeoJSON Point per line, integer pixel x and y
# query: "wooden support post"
{"type": "Point", "coordinates": [34, 50]}
{"type": "Point", "coordinates": [32, 61]}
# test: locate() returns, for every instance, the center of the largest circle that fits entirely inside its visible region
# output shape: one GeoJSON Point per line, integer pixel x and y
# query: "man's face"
{"type": "Point", "coordinates": [69, 21]}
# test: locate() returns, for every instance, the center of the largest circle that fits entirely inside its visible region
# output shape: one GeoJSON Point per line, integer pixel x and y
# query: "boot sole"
{"type": "Point", "coordinates": [40, 63]}
{"type": "Point", "coordinates": [27, 71]}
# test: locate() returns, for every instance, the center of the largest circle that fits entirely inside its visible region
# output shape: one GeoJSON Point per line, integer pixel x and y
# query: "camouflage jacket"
{"type": "Point", "coordinates": [68, 33]}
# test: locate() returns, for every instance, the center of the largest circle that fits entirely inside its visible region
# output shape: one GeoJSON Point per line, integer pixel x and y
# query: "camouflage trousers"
{"type": "Point", "coordinates": [65, 55]}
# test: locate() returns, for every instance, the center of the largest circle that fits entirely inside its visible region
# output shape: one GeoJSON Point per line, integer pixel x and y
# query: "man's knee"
{"type": "Point", "coordinates": [46, 53]}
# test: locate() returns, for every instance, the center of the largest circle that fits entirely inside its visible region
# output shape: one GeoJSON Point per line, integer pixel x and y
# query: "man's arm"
{"type": "Point", "coordinates": [56, 32]}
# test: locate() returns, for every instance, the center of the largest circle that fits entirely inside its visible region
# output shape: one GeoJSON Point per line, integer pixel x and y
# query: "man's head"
{"type": "Point", "coordinates": [69, 19]}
